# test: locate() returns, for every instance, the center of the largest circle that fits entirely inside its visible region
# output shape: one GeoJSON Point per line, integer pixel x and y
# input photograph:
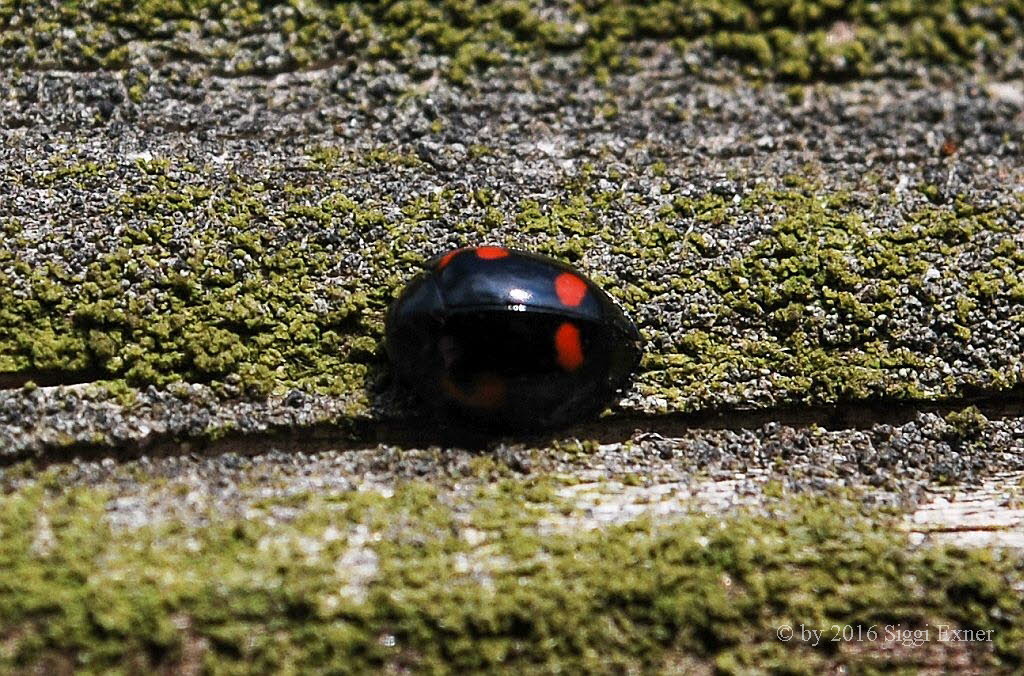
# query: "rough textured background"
{"type": "Point", "coordinates": [812, 210]}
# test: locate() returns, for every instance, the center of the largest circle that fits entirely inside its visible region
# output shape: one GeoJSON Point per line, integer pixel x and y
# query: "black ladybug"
{"type": "Point", "coordinates": [510, 339]}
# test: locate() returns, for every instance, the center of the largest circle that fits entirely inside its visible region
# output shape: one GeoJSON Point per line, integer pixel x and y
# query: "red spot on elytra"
{"type": "Point", "coordinates": [489, 253]}
{"type": "Point", "coordinates": [487, 391]}
{"type": "Point", "coordinates": [570, 289]}
{"type": "Point", "coordinates": [568, 347]}
{"type": "Point", "coordinates": [447, 258]}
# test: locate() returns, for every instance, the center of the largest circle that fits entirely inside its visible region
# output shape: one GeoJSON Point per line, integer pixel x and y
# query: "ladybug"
{"type": "Point", "coordinates": [509, 339]}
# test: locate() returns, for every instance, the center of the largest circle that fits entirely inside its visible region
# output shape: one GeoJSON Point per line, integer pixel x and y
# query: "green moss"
{"type": "Point", "coordinates": [216, 278]}
{"type": "Point", "coordinates": [138, 85]}
{"type": "Point", "coordinates": [815, 295]}
{"type": "Point", "coordinates": [443, 590]}
{"type": "Point", "coordinates": [966, 423]}
{"type": "Point", "coordinates": [241, 299]}
{"type": "Point", "coordinates": [813, 39]}
{"type": "Point", "coordinates": [74, 170]}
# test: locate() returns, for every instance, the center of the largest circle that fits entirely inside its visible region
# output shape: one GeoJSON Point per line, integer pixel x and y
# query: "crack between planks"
{"type": "Point", "coordinates": [353, 434]}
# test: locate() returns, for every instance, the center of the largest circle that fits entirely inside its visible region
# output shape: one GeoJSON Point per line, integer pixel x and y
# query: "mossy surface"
{"type": "Point", "coordinates": [261, 298]}
{"type": "Point", "coordinates": [211, 277]}
{"type": "Point", "coordinates": [804, 40]}
{"type": "Point", "coordinates": [351, 581]}
{"type": "Point", "coordinates": [825, 298]}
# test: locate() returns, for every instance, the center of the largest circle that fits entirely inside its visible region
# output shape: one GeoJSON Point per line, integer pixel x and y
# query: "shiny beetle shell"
{"type": "Point", "coordinates": [510, 339]}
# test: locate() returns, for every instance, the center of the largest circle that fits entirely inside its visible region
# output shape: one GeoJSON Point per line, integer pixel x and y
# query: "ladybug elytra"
{"type": "Point", "coordinates": [510, 339]}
